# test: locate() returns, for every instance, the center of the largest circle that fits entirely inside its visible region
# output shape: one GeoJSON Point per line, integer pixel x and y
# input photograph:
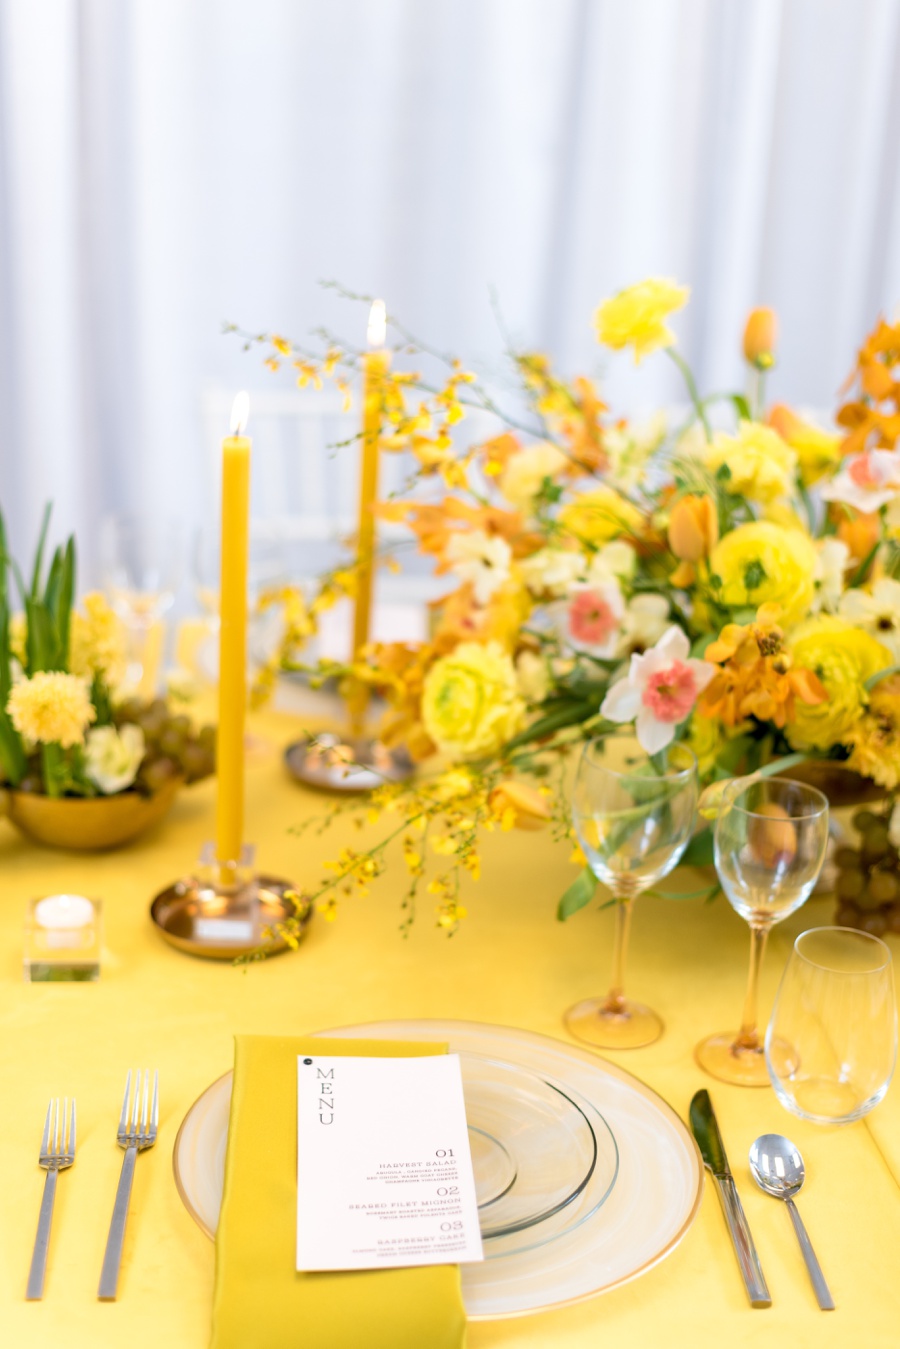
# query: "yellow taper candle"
{"type": "Point", "coordinates": [233, 637]}
{"type": "Point", "coordinates": [376, 364]}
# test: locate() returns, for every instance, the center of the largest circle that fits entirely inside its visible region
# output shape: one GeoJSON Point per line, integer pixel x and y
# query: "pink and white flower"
{"type": "Point", "coordinates": [659, 691]}
{"type": "Point", "coordinates": [594, 617]}
{"type": "Point", "coordinates": [867, 481]}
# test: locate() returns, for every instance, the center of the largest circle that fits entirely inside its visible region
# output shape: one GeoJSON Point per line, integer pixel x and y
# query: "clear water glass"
{"type": "Point", "coordinates": [142, 567]}
{"type": "Point", "coordinates": [770, 840]}
{"type": "Point", "coordinates": [831, 1045]}
{"type": "Point", "coordinates": [634, 815]}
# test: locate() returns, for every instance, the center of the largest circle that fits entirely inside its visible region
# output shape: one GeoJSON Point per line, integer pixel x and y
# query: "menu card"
{"type": "Point", "coordinates": [384, 1172]}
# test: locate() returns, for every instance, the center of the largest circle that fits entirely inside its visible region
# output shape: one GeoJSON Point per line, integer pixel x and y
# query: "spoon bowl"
{"type": "Point", "coordinates": [777, 1166]}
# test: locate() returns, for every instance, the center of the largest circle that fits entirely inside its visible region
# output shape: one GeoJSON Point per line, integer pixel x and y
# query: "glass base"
{"type": "Point", "coordinates": [623, 1025]}
{"type": "Point", "coordinates": [742, 1065]}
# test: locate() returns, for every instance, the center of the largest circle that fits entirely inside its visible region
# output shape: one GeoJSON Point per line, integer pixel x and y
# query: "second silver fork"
{"type": "Point", "coordinates": [57, 1154]}
{"type": "Point", "coordinates": [137, 1130]}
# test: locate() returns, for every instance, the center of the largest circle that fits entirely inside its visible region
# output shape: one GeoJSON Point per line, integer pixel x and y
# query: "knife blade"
{"type": "Point", "coordinates": [705, 1128]}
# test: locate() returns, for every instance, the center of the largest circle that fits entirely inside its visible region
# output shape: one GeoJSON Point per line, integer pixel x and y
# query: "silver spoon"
{"type": "Point", "coordinates": [777, 1168]}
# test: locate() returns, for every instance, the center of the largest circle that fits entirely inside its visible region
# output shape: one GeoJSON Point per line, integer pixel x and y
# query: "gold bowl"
{"type": "Point", "coordinates": [88, 824]}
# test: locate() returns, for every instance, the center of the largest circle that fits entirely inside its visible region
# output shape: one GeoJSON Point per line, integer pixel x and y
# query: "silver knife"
{"type": "Point", "coordinates": [705, 1129]}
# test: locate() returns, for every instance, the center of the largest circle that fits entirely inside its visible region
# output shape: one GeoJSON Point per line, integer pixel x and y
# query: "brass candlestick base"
{"type": "Point", "coordinates": [346, 763]}
{"type": "Point", "coordinates": [224, 911]}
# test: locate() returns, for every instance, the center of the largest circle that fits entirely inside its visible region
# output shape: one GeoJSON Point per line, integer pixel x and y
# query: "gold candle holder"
{"type": "Point", "coordinates": [226, 910]}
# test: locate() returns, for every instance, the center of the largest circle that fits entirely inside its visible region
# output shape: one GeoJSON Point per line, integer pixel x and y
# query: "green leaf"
{"type": "Point", "coordinates": [579, 893]}
{"type": "Point", "coordinates": [860, 576]}
{"type": "Point", "coordinates": [699, 852]}
{"type": "Point", "coordinates": [66, 600]}
{"type": "Point", "coordinates": [742, 407]}
{"type": "Point", "coordinates": [12, 755]}
{"type": "Point", "coordinates": [879, 675]}
{"type": "Point", "coordinates": [39, 555]}
{"type": "Point", "coordinates": [569, 715]}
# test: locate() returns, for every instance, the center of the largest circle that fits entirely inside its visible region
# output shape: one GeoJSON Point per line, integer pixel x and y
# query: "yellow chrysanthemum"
{"type": "Point", "coordinates": [635, 317]}
{"type": "Point", "coordinates": [875, 739]}
{"type": "Point", "coordinates": [597, 516]}
{"type": "Point", "coordinates": [51, 708]}
{"type": "Point", "coordinates": [96, 643]}
{"type": "Point", "coordinates": [764, 563]}
{"type": "Point", "coordinates": [756, 463]}
{"type": "Point", "coordinates": [470, 700]}
{"type": "Point", "coordinates": [843, 657]}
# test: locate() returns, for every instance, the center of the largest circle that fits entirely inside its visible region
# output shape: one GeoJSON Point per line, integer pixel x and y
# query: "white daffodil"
{"type": "Point", "coordinates": [112, 757]}
{"type": "Point", "coordinates": [878, 613]}
{"type": "Point", "coordinates": [867, 481]}
{"type": "Point", "coordinates": [593, 620]}
{"type": "Point", "coordinates": [832, 559]}
{"type": "Point", "coordinates": [480, 558]}
{"type": "Point", "coordinates": [659, 690]}
{"type": "Point", "coordinates": [552, 571]}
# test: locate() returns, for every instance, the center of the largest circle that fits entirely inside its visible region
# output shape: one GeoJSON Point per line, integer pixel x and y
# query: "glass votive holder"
{"type": "Point", "coordinates": [62, 939]}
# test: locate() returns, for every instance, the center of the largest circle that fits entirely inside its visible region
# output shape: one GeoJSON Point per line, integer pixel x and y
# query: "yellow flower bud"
{"type": "Point", "coordinates": [760, 336]}
{"type": "Point", "coordinates": [693, 528]}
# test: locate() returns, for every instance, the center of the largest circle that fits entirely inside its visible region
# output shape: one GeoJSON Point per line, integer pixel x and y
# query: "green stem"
{"type": "Point", "coordinates": [692, 389]}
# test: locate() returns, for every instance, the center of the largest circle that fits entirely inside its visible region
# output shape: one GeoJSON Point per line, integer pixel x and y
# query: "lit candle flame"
{"type": "Point", "coordinates": [377, 329]}
{"type": "Point", "coordinates": [240, 411]}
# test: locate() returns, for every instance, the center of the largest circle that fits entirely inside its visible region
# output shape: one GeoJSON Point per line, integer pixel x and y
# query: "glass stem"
{"type": "Point", "coordinates": [615, 999]}
{"type": "Point", "coordinates": [748, 1035]}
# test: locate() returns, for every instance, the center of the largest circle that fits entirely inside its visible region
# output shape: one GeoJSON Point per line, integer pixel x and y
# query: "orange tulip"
{"type": "Point", "coordinates": [521, 804]}
{"type": "Point", "coordinates": [860, 534]}
{"type": "Point", "coordinates": [760, 336]}
{"type": "Point", "coordinates": [693, 527]}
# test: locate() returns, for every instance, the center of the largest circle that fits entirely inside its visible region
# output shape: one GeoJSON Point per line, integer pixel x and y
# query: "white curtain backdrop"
{"type": "Point", "coordinates": [167, 164]}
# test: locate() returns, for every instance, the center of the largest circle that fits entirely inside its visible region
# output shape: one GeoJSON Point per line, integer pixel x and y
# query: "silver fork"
{"type": "Point", "coordinates": [137, 1131]}
{"type": "Point", "coordinates": [57, 1154]}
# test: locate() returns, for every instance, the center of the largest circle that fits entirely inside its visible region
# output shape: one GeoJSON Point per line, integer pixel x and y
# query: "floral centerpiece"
{"type": "Point", "coordinates": [68, 727]}
{"type": "Point", "coordinates": [728, 578]}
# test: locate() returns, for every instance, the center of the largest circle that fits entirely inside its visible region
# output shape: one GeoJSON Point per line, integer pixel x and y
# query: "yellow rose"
{"type": "Point", "coordinates": [760, 465]}
{"type": "Point", "coordinates": [636, 316]}
{"type": "Point", "coordinates": [526, 471]}
{"type": "Point", "coordinates": [51, 708]}
{"type": "Point", "coordinates": [470, 700]}
{"type": "Point", "coordinates": [518, 805]}
{"type": "Point", "coordinates": [764, 563]}
{"type": "Point", "coordinates": [597, 516]}
{"type": "Point", "coordinates": [843, 657]}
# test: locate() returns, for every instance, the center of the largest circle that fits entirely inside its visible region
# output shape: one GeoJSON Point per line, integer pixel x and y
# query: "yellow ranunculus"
{"type": "Point", "coordinates": [602, 514]}
{"type": "Point", "coordinates": [760, 465]}
{"type": "Point", "coordinates": [635, 317]}
{"type": "Point", "coordinates": [527, 470]}
{"type": "Point", "coordinates": [470, 700]}
{"type": "Point", "coordinates": [51, 708]}
{"type": "Point", "coordinates": [764, 563]}
{"type": "Point", "coordinates": [843, 657]}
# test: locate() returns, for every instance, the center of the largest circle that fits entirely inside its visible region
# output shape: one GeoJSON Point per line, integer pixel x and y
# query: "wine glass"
{"type": "Point", "coordinates": [831, 1045]}
{"type": "Point", "coordinates": [142, 561]}
{"type": "Point", "coordinates": [770, 841]}
{"type": "Point", "coordinates": [633, 814]}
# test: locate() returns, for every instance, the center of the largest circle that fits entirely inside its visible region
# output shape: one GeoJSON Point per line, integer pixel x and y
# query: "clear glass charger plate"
{"type": "Point", "coordinates": [581, 1249]}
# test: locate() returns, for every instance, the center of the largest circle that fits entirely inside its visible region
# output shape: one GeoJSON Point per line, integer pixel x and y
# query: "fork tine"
{"type": "Point", "coordinates": [123, 1119]}
{"type": "Point", "coordinates": [154, 1111]}
{"type": "Point", "coordinates": [137, 1102]}
{"type": "Point", "coordinates": [71, 1149]}
{"type": "Point", "coordinates": [145, 1104]}
{"type": "Point", "coordinates": [56, 1127]}
{"type": "Point", "coordinates": [45, 1137]}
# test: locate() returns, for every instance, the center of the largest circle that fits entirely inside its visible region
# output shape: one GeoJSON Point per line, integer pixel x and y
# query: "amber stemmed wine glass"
{"type": "Point", "coordinates": [770, 841]}
{"type": "Point", "coordinates": [633, 814]}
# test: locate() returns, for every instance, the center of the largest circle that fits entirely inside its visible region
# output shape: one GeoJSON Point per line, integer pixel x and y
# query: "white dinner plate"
{"type": "Point", "coordinates": [649, 1209]}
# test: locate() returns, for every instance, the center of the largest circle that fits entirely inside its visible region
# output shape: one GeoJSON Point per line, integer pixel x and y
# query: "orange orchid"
{"type": "Point", "coordinates": [756, 676]}
{"type": "Point", "coordinates": [433, 525]}
{"type": "Point", "coordinates": [868, 425]}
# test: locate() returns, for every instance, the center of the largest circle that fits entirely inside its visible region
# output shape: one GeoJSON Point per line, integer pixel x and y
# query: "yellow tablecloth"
{"type": "Point", "coordinates": [510, 963]}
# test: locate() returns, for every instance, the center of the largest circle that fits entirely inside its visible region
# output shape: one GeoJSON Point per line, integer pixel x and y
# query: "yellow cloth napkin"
{"type": "Point", "coordinates": [260, 1301]}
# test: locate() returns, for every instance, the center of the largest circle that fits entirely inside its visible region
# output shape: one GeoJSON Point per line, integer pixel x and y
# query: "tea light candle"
{"type": "Point", "coordinates": [64, 918]}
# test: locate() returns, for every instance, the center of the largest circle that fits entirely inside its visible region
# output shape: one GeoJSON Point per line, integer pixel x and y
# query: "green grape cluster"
{"type": "Point", "coordinates": [868, 878]}
{"type": "Point", "coordinates": [174, 749]}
